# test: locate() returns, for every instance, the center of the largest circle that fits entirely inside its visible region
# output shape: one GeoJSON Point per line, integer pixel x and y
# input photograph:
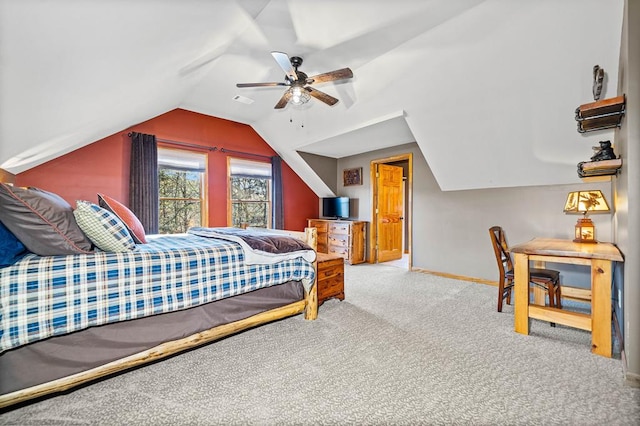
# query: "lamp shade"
{"type": "Point", "coordinates": [584, 202]}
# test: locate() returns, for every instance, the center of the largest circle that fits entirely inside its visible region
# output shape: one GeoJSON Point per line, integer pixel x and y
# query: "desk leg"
{"type": "Point", "coordinates": [601, 307]}
{"type": "Point", "coordinates": [521, 307]}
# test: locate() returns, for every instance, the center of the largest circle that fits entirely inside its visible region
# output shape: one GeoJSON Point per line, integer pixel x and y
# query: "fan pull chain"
{"type": "Point", "coordinates": [291, 120]}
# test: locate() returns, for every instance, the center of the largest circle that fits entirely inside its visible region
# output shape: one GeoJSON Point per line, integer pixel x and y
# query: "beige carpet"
{"type": "Point", "coordinates": [402, 349]}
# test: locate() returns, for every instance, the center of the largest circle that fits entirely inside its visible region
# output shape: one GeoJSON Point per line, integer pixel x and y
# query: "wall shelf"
{"type": "Point", "coordinates": [600, 115]}
{"type": "Point", "coordinates": [599, 168]}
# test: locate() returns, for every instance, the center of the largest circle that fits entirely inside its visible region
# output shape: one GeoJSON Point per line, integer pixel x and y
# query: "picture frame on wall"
{"type": "Point", "coordinates": [352, 176]}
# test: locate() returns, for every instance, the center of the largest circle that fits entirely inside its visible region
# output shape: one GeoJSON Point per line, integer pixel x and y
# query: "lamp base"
{"type": "Point", "coordinates": [580, 240]}
{"type": "Point", "coordinates": [585, 231]}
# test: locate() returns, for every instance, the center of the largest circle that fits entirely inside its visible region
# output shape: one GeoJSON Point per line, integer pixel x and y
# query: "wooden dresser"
{"type": "Point", "coordinates": [330, 277]}
{"type": "Point", "coordinates": [346, 238]}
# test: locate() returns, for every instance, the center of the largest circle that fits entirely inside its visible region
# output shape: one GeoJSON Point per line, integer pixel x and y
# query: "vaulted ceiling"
{"type": "Point", "coordinates": [487, 89]}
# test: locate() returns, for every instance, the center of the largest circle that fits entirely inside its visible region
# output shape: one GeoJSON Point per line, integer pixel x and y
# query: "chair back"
{"type": "Point", "coordinates": [501, 250]}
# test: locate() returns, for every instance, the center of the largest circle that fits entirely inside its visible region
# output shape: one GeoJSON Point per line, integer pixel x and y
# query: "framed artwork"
{"type": "Point", "coordinates": [352, 176]}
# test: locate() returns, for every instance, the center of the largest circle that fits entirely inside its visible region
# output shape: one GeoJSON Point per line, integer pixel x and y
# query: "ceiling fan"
{"type": "Point", "coordinates": [299, 90]}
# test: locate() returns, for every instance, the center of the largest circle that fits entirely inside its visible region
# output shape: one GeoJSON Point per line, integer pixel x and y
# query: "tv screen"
{"type": "Point", "coordinates": [337, 207]}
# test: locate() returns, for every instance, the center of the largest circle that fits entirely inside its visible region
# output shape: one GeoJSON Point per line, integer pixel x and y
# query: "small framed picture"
{"type": "Point", "coordinates": [352, 176]}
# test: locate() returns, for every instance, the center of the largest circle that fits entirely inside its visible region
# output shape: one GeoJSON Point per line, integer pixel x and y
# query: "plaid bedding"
{"type": "Point", "coordinates": [44, 296]}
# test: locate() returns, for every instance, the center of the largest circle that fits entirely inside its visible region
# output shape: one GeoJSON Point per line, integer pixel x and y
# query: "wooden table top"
{"type": "Point", "coordinates": [567, 248]}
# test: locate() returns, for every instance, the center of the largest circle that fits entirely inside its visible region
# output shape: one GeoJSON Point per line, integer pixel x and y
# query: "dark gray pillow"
{"type": "Point", "coordinates": [42, 221]}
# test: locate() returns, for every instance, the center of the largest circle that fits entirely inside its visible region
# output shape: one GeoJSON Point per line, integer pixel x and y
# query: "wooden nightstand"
{"type": "Point", "coordinates": [330, 277]}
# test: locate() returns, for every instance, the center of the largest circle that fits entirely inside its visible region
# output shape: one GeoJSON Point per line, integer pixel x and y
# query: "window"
{"type": "Point", "coordinates": [182, 176]}
{"type": "Point", "coordinates": [249, 193]}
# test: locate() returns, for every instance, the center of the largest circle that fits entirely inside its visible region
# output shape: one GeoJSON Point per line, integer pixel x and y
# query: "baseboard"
{"type": "Point", "coordinates": [456, 277]}
{"type": "Point", "coordinates": [481, 281]}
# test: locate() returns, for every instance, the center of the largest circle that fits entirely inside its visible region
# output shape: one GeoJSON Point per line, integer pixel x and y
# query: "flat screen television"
{"type": "Point", "coordinates": [335, 207]}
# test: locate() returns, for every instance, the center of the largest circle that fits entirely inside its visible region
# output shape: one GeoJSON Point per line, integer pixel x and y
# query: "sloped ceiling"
{"type": "Point", "coordinates": [487, 89]}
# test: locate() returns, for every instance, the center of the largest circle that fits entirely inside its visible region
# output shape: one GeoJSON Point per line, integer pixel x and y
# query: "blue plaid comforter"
{"type": "Point", "coordinates": [44, 296]}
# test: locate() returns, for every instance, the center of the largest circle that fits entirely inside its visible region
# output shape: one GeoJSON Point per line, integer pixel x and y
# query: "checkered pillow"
{"type": "Point", "coordinates": [103, 228]}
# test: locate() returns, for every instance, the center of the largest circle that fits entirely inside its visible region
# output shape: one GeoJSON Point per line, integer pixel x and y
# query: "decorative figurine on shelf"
{"type": "Point", "coordinates": [603, 163]}
{"type": "Point", "coordinates": [598, 77]}
{"type": "Point", "coordinates": [603, 152]}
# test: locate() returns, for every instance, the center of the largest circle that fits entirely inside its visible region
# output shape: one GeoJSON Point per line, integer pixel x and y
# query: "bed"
{"type": "Point", "coordinates": [70, 319]}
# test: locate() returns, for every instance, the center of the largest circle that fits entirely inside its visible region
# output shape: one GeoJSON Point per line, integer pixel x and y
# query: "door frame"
{"type": "Point", "coordinates": [408, 202]}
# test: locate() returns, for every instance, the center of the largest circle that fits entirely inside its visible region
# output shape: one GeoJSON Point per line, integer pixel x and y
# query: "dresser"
{"type": "Point", "coordinates": [345, 238]}
{"type": "Point", "coordinates": [330, 277]}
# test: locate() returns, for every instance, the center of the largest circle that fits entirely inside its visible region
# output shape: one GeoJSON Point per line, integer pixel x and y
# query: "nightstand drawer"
{"type": "Point", "coordinates": [331, 287]}
{"type": "Point", "coordinates": [331, 270]}
{"type": "Point", "coordinates": [330, 277]}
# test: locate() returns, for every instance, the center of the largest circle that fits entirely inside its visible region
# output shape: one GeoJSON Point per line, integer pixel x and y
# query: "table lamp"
{"type": "Point", "coordinates": [585, 202]}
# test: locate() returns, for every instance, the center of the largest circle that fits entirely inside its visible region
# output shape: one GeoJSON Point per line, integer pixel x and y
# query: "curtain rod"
{"type": "Point", "coordinates": [215, 148]}
{"type": "Point", "coordinates": [185, 144]}
{"type": "Point", "coordinates": [244, 153]}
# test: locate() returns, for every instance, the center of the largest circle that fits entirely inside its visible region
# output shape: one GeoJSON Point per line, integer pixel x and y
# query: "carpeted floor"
{"type": "Point", "coordinates": [402, 349]}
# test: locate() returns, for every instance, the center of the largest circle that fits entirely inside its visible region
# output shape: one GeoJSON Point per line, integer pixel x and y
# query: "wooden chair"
{"type": "Point", "coordinates": [544, 278]}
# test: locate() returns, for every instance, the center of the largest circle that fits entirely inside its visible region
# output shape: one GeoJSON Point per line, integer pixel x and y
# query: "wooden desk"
{"type": "Point", "coordinates": [598, 256]}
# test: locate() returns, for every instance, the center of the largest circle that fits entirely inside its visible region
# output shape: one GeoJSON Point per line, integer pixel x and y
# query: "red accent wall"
{"type": "Point", "coordinates": [103, 166]}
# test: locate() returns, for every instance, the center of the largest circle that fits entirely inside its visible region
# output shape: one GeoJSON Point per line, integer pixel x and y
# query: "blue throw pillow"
{"type": "Point", "coordinates": [11, 249]}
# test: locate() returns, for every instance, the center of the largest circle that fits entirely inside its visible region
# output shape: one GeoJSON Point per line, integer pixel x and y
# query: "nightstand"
{"type": "Point", "coordinates": [330, 277]}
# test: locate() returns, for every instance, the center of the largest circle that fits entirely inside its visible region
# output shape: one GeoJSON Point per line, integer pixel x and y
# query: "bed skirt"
{"type": "Point", "coordinates": [62, 356]}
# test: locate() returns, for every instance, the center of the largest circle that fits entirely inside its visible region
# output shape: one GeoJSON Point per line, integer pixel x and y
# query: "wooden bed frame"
{"type": "Point", "coordinates": [309, 305]}
{"type": "Point", "coordinates": [7, 177]}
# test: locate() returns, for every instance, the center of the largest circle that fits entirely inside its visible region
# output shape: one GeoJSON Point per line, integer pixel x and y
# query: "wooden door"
{"type": "Point", "coordinates": [389, 215]}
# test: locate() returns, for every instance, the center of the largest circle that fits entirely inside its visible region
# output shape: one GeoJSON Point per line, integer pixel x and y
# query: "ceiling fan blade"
{"type": "Point", "coordinates": [321, 96]}
{"type": "Point", "coordinates": [283, 100]}
{"type": "Point", "coordinates": [331, 76]}
{"type": "Point", "coordinates": [260, 84]}
{"type": "Point", "coordinates": [285, 63]}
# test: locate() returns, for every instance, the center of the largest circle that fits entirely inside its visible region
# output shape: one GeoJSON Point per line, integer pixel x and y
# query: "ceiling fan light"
{"type": "Point", "coordinates": [299, 96]}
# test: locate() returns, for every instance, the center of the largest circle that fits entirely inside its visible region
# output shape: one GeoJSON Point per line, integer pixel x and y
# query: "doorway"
{"type": "Point", "coordinates": [391, 210]}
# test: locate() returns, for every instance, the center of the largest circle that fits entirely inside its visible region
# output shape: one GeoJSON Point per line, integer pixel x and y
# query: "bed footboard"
{"type": "Point", "coordinates": [310, 237]}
